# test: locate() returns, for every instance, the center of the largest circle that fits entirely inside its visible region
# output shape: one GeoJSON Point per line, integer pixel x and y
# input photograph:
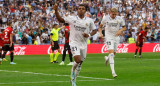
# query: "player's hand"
{"type": "Point", "coordinates": [118, 33]}
{"type": "Point", "coordinates": [52, 43]}
{"type": "Point", "coordinates": [55, 7]}
{"type": "Point", "coordinates": [10, 45]}
{"type": "Point", "coordinates": [85, 35]}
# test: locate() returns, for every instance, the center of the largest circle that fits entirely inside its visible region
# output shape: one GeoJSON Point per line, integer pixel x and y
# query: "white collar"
{"type": "Point", "coordinates": [80, 18]}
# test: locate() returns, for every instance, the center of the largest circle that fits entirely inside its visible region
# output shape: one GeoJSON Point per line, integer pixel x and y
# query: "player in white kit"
{"type": "Point", "coordinates": [112, 24]}
{"type": "Point", "coordinates": [80, 27]}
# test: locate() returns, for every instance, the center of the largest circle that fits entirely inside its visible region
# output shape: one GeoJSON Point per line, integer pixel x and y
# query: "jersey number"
{"type": "Point", "coordinates": [6, 35]}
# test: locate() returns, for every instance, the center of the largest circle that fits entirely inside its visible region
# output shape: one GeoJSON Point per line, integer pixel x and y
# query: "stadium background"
{"type": "Point", "coordinates": [33, 20]}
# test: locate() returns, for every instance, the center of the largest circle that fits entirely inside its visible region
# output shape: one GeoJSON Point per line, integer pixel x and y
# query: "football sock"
{"type": "Point", "coordinates": [70, 56]}
{"type": "Point", "coordinates": [51, 57]}
{"type": "Point", "coordinates": [111, 60]}
{"type": "Point", "coordinates": [56, 56]}
{"type": "Point", "coordinates": [64, 55]}
{"type": "Point", "coordinates": [11, 56]}
{"type": "Point", "coordinates": [74, 66]}
{"type": "Point", "coordinates": [140, 51]}
{"type": "Point", "coordinates": [136, 51]}
{"type": "Point", "coordinates": [4, 54]}
{"type": "Point", "coordinates": [78, 69]}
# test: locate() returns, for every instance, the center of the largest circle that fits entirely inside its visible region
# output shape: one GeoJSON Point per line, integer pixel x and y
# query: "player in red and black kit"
{"type": "Point", "coordinates": [8, 42]}
{"type": "Point", "coordinates": [142, 35]}
{"type": "Point", "coordinates": [67, 46]}
{"type": "Point", "coordinates": [1, 44]}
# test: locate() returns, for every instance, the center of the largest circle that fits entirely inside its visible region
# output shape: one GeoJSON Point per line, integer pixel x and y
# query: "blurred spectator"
{"type": "Point", "coordinates": [31, 17]}
{"type": "Point", "coordinates": [24, 39]}
{"type": "Point", "coordinates": [158, 36]}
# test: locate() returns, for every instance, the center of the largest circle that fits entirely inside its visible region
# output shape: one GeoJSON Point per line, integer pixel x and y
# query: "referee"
{"type": "Point", "coordinates": [54, 43]}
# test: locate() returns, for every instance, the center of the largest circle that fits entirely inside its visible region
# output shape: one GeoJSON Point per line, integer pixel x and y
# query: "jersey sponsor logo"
{"type": "Point", "coordinates": [113, 24]}
{"type": "Point", "coordinates": [156, 48]}
{"type": "Point", "coordinates": [79, 28]}
{"type": "Point", "coordinates": [122, 48]}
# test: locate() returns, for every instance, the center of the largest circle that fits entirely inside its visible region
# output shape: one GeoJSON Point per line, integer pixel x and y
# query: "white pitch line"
{"type": "Point", "coordinates": [139, 58]}
{"type": "Point", "coordinates": [55, 75]}
{"type": "Point", "coordinates": [43, 82]}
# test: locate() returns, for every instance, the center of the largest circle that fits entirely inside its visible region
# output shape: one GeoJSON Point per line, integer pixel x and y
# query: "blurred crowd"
{"type": "Point", "coordinates": [34, 19]}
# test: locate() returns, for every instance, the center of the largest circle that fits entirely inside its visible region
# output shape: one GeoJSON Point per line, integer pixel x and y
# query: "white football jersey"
{"type": "Point", "coordinates": [77, 28]}
{"type": "Point", "coordinates": [112, 25]}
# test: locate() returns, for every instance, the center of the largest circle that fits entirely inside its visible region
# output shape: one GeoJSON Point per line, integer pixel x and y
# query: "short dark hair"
{"type": "Point", "coordinates": [55, 25]}
{"type": "Point", "coordinates": [66, 24]}
{"type": "Point", "coordinates": [9, 23]}
{"type": "Point", "coordinates": [146, 28]}
{"type": "Point", "coordinates": [82, 5]}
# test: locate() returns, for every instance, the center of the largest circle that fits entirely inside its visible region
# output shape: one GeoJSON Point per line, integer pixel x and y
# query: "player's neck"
{"type": "Point", "coordinates": [112, 17]}
{"type": "Point", "coordinates": [81, 16]}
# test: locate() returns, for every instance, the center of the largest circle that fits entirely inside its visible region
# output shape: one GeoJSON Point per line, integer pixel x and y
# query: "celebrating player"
{"type": "Point", "coordinates": [1, 44]}
{"type": "Point", "coordinates": [112, 24]}
{"type": "Point", "coordinates": [80, 27]}
{"type": "Point", "coordinates": [67, 46]}
{"type": "Point", "coordinates": [8, 42]}
{"type": "Point", "coordinates": [139, 43]}
{"type": "Point", "coordinates": [54, 43]}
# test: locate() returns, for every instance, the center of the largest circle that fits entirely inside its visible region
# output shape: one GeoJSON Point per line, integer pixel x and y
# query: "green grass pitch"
{"type": "Point", "coordinates": [36, 70]}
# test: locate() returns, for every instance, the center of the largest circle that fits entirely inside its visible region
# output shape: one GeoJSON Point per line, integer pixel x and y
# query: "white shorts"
{"type": "Point", "coordinates": [112, 44]}
{"type": "Point", "coordinates": [76, 50]}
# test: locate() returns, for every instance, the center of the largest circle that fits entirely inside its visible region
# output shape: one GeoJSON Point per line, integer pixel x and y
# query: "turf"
{"type": "Point", "coordinates": [130, 71]}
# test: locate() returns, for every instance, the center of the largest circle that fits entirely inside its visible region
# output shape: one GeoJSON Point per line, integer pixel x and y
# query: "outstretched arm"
{"type": "Point", "coordinates": [60, 19]}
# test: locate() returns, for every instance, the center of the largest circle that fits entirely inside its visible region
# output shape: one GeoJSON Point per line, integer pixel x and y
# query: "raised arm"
{"type": "Point", "coordinates": [60, 19]}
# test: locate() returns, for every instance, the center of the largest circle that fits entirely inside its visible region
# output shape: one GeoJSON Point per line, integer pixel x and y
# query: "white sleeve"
{"type": "Point", "coordinates": [68, 19]}
{"type": "Point", "coordinates": [92, 25]}
{"type": "Point", "coordinates": [103, 20]}
{"type": "Point", "coordinates": [122, 22]}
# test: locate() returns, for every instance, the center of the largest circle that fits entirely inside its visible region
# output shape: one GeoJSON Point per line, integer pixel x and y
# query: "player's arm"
{"type": "Point", "coordinates": [62, 27]}
{"type": "Point", "coordinates": [93, 28]}
{"type": "Point", "coordinates": [11, 39]}
{"type": "Point", "coordinates": [145, 39]}
{"type": "Point", "coordinates": [123, 27]}
{"type": "Point", "coordinates": [68, 35]}
{"type": "Point", "coordinates": [60, 19]}
{"type": "Point", "coordinates": [138, 39]}
{"type": "Point", "coordinates": [100, 30]}
{"type": "Point", "coordinates": [52, 43]}
{"type": "Point", "coordinates": [93, 32]}
{"type": "Point", "coordinates": [101, 26]}
{"type": "Point", "coordinates": [120, 31]}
